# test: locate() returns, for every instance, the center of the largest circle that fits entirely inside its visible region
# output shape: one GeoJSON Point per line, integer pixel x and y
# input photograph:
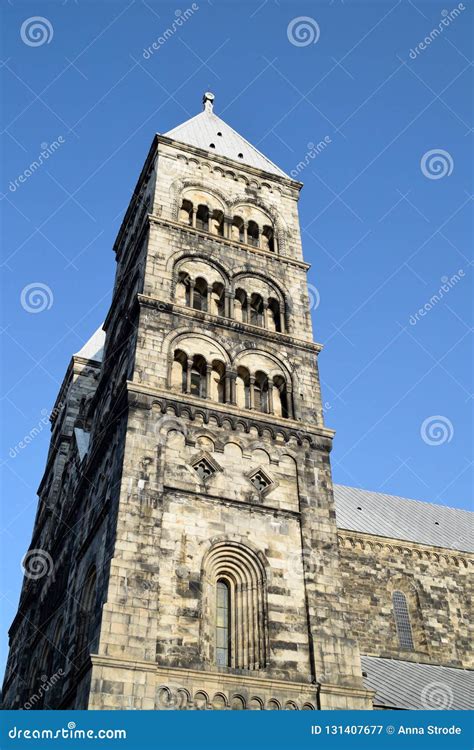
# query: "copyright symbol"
{"type": "Point", "coordinates": [390, 729]}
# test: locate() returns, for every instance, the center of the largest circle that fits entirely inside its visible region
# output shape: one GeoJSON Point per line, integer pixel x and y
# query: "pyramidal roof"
{"type": "Point", "coordinates": [207, 131]}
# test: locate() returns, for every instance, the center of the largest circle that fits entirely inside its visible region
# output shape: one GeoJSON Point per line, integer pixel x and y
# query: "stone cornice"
{"type": "Point", "coordinates": [227, 323]}
{"type": "Point", "coordinates": [232, 163]}
{"type": "Point", "coordinates": [154, 219]}
{"type": "Point", "coordinates": [193, 407]}
{"type": "Point", "coordinates": [371, 542]}
{"type": "Point", "coordinates": [180, 673]}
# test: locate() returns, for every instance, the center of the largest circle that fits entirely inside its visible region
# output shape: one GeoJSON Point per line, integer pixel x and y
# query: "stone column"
{"type": "Point", "coordinates": [229, 304]}
{"type": "Point", "coordinates": [270, 397]}
{"type": "Point", "coordinates": [251, 391]}
{"type": "Point", "coordinates": [281, 313]}
{"type": "Point", "coordinates": [233, 387]}
{"type": "Point", "coordinates": [189, 367]}
{"type": "Point", "coordinates": [208, 380]}
{"type": "Point", "coordinates": [191, 292]}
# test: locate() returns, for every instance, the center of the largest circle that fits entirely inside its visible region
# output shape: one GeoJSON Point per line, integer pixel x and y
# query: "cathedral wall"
{"type": "Point", "coordinates": [436, 583]}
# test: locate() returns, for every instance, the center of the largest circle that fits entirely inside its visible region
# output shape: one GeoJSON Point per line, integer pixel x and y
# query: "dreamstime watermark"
{"type": "Point", "coordinates": [314, 149]}
{"type": "Point", "coordinates": [36, 297]}
{"type": "Point", "coordinates": [35, 431]}
{"type": "Point", "coordinates": [314, 297]}
{"type": "Point", "coordinates": [448, 282]}
{"type": "Point", "coordinates": [436, 164]}
{"type": "Point", "coordinates": [46, 684]}
{"type": "Point", "coordinates": [36, 31]}
{"type": "Point", "coordinates": [36, 564]}
{"type": "Point", "coordinates": [66, 733]}
{"type": "Point", "coordinates": [437, 696]}
{"type": "Point", "coordinates": [47, 150]}
{"type": "Point", "coordinates": [303, 31]}
{"type": "Point", "coordinates": [437, 430]}
{"type": "Point", "coordinates": [448, 16]}
{"type": "Point", "coordinates": [180, 20]}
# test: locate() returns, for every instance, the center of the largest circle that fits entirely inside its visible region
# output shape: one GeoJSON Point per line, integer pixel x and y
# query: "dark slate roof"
{"type": "Point", "coordinates": [407, 685]}
{"type": "Point", "coordinates": [399, 518]}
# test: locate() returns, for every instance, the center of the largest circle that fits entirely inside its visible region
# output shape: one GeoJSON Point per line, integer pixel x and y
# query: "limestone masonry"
{"type": "Point", "coordinates": [200, 555]}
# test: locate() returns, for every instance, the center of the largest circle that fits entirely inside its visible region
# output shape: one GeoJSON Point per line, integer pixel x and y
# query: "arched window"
{"type": "Point", "coordinates": [268, 242]}
{"type": "Point", "coordinates": [200, 295]}
{"type": "Point", "coordinates": [217, 223]}
{"type": "Point", "coordinates": [223, 619]}
{"type": "Point", "coordinates": [217, 299]}
{"type": "Point", "coordinates": [256, 310]}
{"type": "Point", "coordinates": [253, 234]}
{"type": "Point", "coordinates": [234, 607]}
{"type": "Point", "coordinates": [186, 212]}
{"type": "Point", "coordinates": [178, 371]}
{"type": "Point", "coordinates": [242, 388]}
{"type": "Point", "coordinates": [237, 231]}
{"type": "Point", "coordinates": [274, 322]}
{"type": "Point", "coordinates": [198, 377]}
{"type": "Point", "coordinates": [218, 382]}
{"type": "Point", "coordinates": [240, 306]}
{"type": "Point", "coordinates": [280, 397]}
{"type": "Point", "coordinates": [202, 218]}
{"type": "Point", "coordinates": [183, 289]}
{"type": "Point", "coordinates": [402, 621]}
{"type": "Point", "coordinates": [261, 392]}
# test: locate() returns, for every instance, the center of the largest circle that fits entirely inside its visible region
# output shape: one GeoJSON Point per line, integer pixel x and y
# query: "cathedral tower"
{"type": "Point", "coordinates": [187, 505]}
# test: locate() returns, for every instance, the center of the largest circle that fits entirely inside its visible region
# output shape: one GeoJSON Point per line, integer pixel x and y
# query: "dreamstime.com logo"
{"type": "Point", "coordinates": [36, 564]}
{"type": "Point", "coordinates": [35, 431]}
{"type": "Point", "coordinates": [303, 31]}
{"type": "Point", "coordinates": [448, 282]}
{"type": "Point", "coordinates": [437, 430]}
{"type": "Point", "coordinates": [448, 16]}
{"type": "Point", "coordinates": [36, 297]}
{"type": "Point", "coordinates": [314, 297]}
{"type": "Point", "coordinates": [36, 31]}
{"type": "Point", "coordinates": [67, 733]}
{"type": "Point", "coordinates": [437, 696]}
{"type": "Point", "coordinates": [436, 164]}
{"type": "Point", "coordinates": [47, 150]}
{"type": "Point", "coordinates": [180, 19]}
{"type": "Point", "coordinates": [46, 684]}
{"type": "Point", "coordinates": [314, 149]}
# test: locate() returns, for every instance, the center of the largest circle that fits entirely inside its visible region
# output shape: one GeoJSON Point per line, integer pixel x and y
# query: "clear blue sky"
{"type": "Point", "coordinates": [380, 234]}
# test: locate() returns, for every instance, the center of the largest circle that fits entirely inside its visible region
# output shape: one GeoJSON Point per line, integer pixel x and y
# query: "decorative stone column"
{"type": "Point", "coordinates": [189, 367]}
{"type": "Point", "coordinates": [208, 380]}
{"type": "Point", "coordinates": [251, 391]}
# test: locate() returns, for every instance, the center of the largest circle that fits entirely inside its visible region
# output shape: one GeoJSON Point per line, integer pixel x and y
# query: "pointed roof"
{"type": "Point", "coordinates": [207, 131]}
{"type": "Point", "coordinates": [94, 347]}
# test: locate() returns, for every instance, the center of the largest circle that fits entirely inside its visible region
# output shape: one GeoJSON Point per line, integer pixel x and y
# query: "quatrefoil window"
{"type": "Point", "coordinates": [261, 481]}
{"type": "Point", "coordinates": [205, 466]}
{"type": "Point", "coordinates": [203, 469]}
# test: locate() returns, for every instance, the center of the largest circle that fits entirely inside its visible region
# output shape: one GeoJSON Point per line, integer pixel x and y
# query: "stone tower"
{"type": "Point", "coordinates": [187, 512]}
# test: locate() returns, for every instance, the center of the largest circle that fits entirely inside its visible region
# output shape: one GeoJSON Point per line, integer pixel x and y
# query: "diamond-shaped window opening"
{"type": "Point", "coordinates": [205, 467]}
{"type": "Point", "coordinates": [261, 481]}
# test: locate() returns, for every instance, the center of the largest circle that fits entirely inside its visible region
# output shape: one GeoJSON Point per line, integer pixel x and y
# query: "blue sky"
{"type": "Point", "coordinates": [384, 221]}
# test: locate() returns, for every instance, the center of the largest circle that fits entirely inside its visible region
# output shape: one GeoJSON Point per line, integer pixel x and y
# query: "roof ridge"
{"type": "Point", "coordinates": [402, 497]}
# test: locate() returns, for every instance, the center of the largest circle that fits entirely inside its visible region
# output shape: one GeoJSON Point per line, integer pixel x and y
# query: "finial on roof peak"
{"type": "Point", "coordinates": [208, 101]}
